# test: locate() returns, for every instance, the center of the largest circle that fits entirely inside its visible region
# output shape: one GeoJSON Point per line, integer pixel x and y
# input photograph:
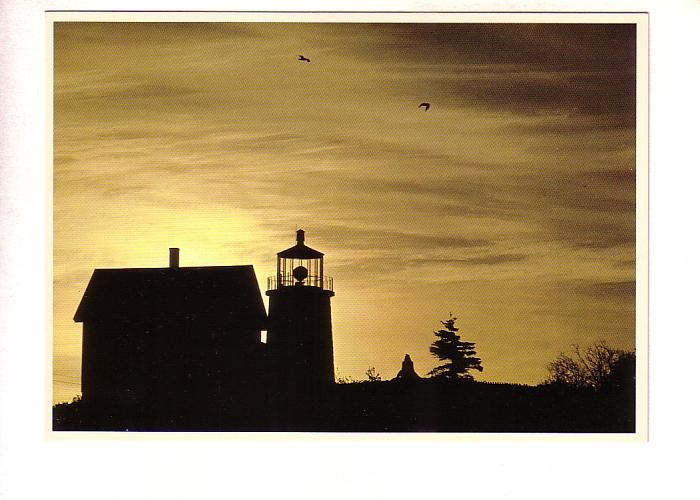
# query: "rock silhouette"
{"type": "Point", "coordinates": [407, 371]}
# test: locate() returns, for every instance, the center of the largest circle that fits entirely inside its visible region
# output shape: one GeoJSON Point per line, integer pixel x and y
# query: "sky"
{"type": "Point", "coordinates": [510, 203]}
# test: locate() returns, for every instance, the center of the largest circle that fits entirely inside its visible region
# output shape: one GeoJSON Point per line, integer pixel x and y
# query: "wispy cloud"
{"type": "Point", "coordinates": [609, 289]}
{"type": "Point", "coordinates": [487, 260]}
{"type": "Point", "coordinates": [518, 181]}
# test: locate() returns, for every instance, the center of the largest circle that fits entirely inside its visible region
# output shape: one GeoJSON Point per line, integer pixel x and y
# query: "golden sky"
{"type": "Point", "coordinates": [510, 203]}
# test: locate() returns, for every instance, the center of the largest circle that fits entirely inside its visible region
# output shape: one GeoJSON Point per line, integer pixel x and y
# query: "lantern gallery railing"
{"type": "Point", "coordinates": [276, 282]}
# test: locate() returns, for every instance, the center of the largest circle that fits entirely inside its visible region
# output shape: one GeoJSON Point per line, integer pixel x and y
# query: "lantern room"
{"type": "Point", "coordinates": [300, 266]}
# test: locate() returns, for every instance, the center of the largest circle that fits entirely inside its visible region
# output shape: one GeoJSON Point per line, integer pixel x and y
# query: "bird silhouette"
{"type": "Point", "coordinates": [302, 58]}
{"type": "Point", "coordinates": [426, 104]}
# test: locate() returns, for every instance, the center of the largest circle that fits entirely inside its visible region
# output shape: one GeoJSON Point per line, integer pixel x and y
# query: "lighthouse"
{"type": "Point", "coordinates": [299, 335]}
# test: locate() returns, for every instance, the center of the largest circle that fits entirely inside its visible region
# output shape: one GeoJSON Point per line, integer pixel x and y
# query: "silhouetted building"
{"type": "Point", "coordinates": [164, 337]}
{"type": "Point", "coordinates": [164, 334]}
{"type": "Point", "coordinates": [299, 335]}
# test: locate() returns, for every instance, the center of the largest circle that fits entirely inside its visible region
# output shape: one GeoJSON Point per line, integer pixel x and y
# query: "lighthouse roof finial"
{"type": "Point", "coordinates": [300, 250]}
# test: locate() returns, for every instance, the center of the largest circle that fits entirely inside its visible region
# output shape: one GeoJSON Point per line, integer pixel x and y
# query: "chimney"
{"type": "Point", "coordinates": [174, 258]}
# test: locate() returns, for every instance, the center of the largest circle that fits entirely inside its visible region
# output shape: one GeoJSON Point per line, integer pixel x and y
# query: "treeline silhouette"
{"type": "Point", "coordinates": [588, 390]}
{"type": "Point", "coordinates": [424, 405]}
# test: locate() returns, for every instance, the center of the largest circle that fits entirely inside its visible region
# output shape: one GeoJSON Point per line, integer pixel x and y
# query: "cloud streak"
{"type": "Point", "coordinates": [518, 181]}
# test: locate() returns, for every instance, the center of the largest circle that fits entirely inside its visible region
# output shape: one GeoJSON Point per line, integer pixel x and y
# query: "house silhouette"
{"type": "Point", "coordinates": [191, 336]}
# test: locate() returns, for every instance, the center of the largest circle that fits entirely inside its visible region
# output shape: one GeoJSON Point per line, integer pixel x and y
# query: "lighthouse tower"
{"type": "Point", "coordinates": [299, 333]}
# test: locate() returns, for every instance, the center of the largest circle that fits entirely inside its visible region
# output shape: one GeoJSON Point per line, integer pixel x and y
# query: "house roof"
{"type": "Point", "coordinates": [221, 293]}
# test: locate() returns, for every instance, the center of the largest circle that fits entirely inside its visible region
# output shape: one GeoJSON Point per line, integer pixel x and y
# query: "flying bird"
{"type": "Point", "coordinates": [426, 104]}
{"type": "Point", "coordinates": [302, 58]}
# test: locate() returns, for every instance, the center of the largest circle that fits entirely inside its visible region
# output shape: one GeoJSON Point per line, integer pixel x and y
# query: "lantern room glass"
{"type": "Point", "coordinates": [300, 266]}
{"type": "Point", "coordinates": [286, 272]}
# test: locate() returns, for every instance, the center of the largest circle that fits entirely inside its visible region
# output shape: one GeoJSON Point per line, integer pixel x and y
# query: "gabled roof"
{"type": "Point", "coordinates": [221, 293]}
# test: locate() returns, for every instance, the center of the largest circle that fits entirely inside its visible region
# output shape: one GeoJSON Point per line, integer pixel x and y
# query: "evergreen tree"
{"type": "Point", "coordinates": [459, 355]}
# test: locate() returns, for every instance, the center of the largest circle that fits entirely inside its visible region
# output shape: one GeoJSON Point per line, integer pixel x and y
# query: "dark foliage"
{"type": "Point", "coordinates": [373, 375]}
{"type": "Point", "coordinates": [598, 367]}
{"type": "Point", "coordinates": [460, 356]}
{"type": "Point", "coordinates": [425, 405]}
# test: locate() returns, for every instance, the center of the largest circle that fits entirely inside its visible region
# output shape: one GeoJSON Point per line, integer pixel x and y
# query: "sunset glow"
{"type": "Point", "coordinates": [509, 203]}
